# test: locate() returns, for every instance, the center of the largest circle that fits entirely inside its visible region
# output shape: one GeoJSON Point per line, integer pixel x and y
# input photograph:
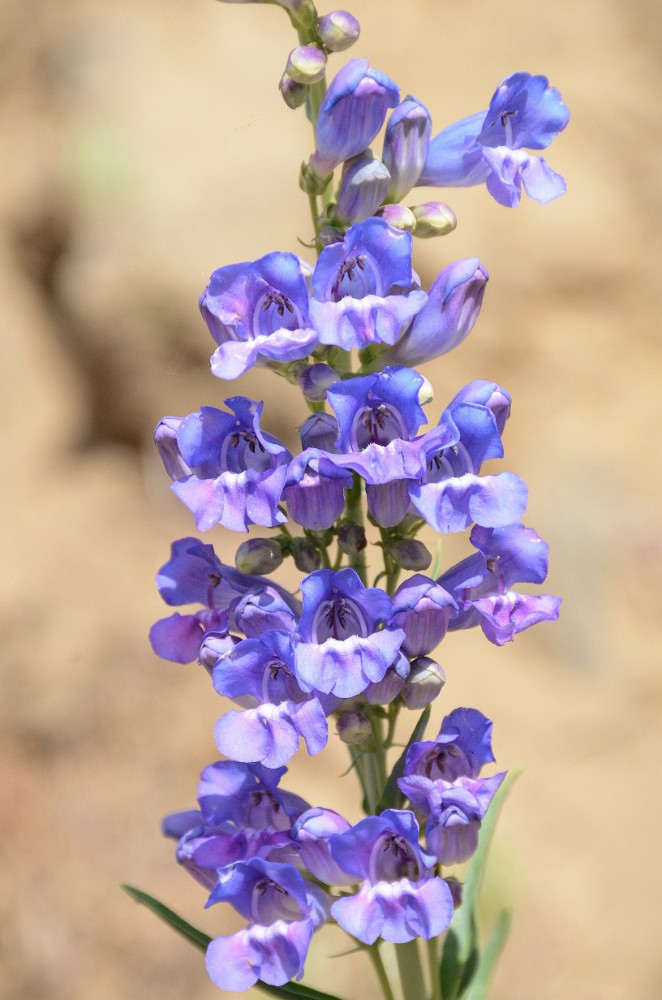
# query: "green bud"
{"type": "Point", "coordinates": [398, 216]}
{"type": "Point", "coordinates": [306, 557]}
{"type": "Point", "coordinates": [353, 728]}
{"type": "Point", "coordinates": [311, 181]}
{"type": "Point", "coordinates": [338, 30]}
{"type": "Point", "coordinates": [410, 554]}
{"type": "Point", "coordinates": [433, 218]}
{"type": "Point", "coordinates": [351, 539]}
{"type": "Point", "coordinates": [258, 556]}
{"type": "Point", "coordinates": [306, 64]}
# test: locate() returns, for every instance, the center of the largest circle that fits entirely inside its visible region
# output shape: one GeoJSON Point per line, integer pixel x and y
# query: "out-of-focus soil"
{"type": "Point", "coordinates": [145, 144]}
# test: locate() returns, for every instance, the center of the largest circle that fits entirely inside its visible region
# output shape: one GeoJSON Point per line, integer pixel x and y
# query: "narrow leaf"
{"type": "Point", "coordinates": [191, 933]}
{"type": "Point", "coordinates": [392, 797]}
{"type": "Point", "coordinates": [488, 960]}
{"type": "Point", "coordinates": [201, 940]}
{"type": "Point", "coordinates": [460, 957]}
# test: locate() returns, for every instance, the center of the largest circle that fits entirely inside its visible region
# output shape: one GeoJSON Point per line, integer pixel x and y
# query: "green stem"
{"type": "Point", "coordinates": [411, 974]}
{"type": "Point", "coordinates": [355, 514]}
{"type": "Point", "coordinates": [378, 963]}
{"type": "Point", "coordinates": [433, 960]}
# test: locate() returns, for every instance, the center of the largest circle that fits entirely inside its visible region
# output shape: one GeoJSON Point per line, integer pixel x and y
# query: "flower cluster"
{"type": "Point", "coordinates": [343, 649]}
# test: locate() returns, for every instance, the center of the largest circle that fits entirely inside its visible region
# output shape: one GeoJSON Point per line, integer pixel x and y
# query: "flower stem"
{"type": "Point", "coordinates": [433, 959]}
{"type": "Point", "coordinates": [355, 514]}
{"type": "Point", "coordinates": [411, 975]}
{"type": "Point", "coordinates": [378, 963]}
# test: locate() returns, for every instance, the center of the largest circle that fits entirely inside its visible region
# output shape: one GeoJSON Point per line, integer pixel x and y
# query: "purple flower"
{"type": "Point", "coordinates": [399, 898]}
{"type": "Point", "coordinates": [453, 812]}
{"type": "Point", "coordinates": [524, 112]}
{"type": "Point", "coordinates": [259, 674]}
{"type": "Point", "coordinates": [447, 318]}
{"type": "Point", "coordinates": [352, 113]}
{"type": "Point", "coordinates": [452, 494]}
{"type": "Point", "coordinates": [258, 314]}
{"type": "Point", "coordinates": [242, 814]}
{"type": "Point", "coordinates": [482, 583]}
{"type": "Point", "coordinates": [315, 489]}
{"type": "Point", "coordinates": [236, 470]}
{"type": "Point", "coordinates": [311, 832]}
{"type": "Point", "coordinates": [406, 144]}
{"type": "Point", "coordinates": [363, 288]}
{"type": "Point", "coordinates": [283, 909]}
{"type": "Point", "coordinates": [422, 608]}
{"type": "Point", "coordinates": [363, 188]}
{"type": "Point", "coordinates": [341, 644]}
{"type": "Point", "coordinates": [462, 748]}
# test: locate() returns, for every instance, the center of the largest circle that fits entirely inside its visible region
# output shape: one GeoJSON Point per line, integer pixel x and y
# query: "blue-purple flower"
{"type": "Point", "coordinates": [363, 288]}
{"type": "Point", "coordinates": [259, 674]}
{"type": "Point", "coordinates": [399, 898]}
{"type": "Point", "coordinates": [406, 144]}
{"type": "Point", "coordinates": [351, 114]}
{"type": "Point", "coordinates": [524, 113]}
{"type": "Point", "coordinates": [258, 314]}
{"type": "Point", "coordinates": [283, 909]}
{"type": "Point", "coordinates": [482, 583]}
{"type": "Point", "coordinates": [344, 641]}
{"type": "Point", "coordinates": [236, 470]}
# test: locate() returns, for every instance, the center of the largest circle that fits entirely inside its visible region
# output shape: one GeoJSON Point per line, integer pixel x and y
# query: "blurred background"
{"type": "Point", "coordinates": [143, 145]}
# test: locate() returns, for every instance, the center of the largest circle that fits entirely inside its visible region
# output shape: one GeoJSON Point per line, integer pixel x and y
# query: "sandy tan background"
{"type": "Point", "coordinates": [144, 144]}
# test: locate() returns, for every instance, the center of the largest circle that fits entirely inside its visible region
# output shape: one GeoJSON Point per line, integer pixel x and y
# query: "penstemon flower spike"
{"type": "Point", "coordinates": [356, 648]}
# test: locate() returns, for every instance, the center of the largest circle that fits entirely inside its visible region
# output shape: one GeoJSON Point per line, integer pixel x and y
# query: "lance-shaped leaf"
{"type": "Point", "coordinates": [392, 797]}
{"type": "Point", "coordinates": [294, 991]}
{"type": "Point", "coordinates": [461, 961]}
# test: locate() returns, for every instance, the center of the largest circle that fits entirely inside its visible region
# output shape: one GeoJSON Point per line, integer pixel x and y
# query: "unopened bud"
{"type": "Point", "coordinates": [398, 216]}
{"type": "Point", "coordinates": [314, 380]}
{"type": "Point", "coordinates": [306, 557]}
{"type": "Point", "coordinates": [293, 93]}
{"type": "Point", "coordinates": [424, 683]}
{"type": "Point", "coordinates": [363, 188]}
{"type": "Point", "coordinates": [410, 554]}
{"type": "Point", "coordinates": [306, 64]}
{"type": "Point", "coordinates": [214, 647]}
{"type": "Point", "coordinates": [353, 728]}
{"type": "Point", "coordinates": [433, 218]}
{"type": "Point", "coordinates": [352, 539]}
{"type": "Point", "coordinates": [455, 887]}
{"type": "Point", "coordinates": [338, 30]}
{"type": "Point", "coordinates": [258, 556]}
{"type": "Point", "coordinates": [320, 430]}
{"type": "Point", "coordinates": [313, 180]}
{"type": "Point", "coordinates": [425, 393]}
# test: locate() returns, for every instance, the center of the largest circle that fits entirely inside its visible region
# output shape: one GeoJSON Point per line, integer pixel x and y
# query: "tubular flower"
{"type": "Point", "coordinates": [490, 146]}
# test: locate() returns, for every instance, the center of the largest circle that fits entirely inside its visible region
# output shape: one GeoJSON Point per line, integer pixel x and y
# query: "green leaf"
{"type": "Point", "coordinates": [460, 958]}
{"type": "Point", "coordinates": [201, 940]}
{"type": "Point", "coordinates": [488, 959]}
{"type": "Point", "coordinates": [191, 933]}
{"type": "Point", "coordinates": [392, 797]}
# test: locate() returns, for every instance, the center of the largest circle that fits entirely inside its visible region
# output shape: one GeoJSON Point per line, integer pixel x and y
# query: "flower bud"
{"type": "Point", "coordinates": [338, 30]}
{"type": "Point", "coordinates": [426, 392]}
{"type": "Point", "coordinates": [398, 216]}
{"type": "Point", "coordinates": [353, 728]}
{"type": "Point", "coordinates": [488, 394]}
{"type": "Point", "coordinates": [454, 300]}
{"type": "Point", "coordinates": [214, 647]}
{"type": "Point", "coordinates": [455, 887]}
{"type": "Point", "coordinates": [306, 557]}
{"type": "Point", "coordinates": [406, 144]}
{"type": "Point", "coordinates": [258, 556]}
{"type": "Point", "coordinates": [306, 64]}
{"type": "Point", "coordinates": [319, 431]}
{"type": "Point", "coordinates": [433, 218]}
{"type": "Point", "coordinates": [352, 539]}
{"type": "Point", "coordinates": [410, 554]}
{"type": "Point", "coordinates": [165, 439]}
{"type": "Point", "coordinates": [363, 188]}
{"type": "Point", "coordinates": [314, 380]}
{"type": "Point", "coordinates": [351, 114]}
{"type": "Point", "coordinates": [293, 93]}
{"type": "Point", "coordinates": [424, 683]}
{"type": "Point", "coordinates": [314, 178]}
